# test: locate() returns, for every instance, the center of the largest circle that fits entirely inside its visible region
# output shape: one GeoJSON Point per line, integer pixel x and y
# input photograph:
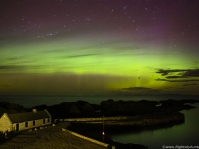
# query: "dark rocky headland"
{"type": "Point", "coordinates": [114, 115]}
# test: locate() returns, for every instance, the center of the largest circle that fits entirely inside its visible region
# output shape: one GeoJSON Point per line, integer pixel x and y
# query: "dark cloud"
{"type": "Point", "coordinates": [140, 89]}
{"type": "Point", "coordinates": [80, 55]}
{"type": "Point", "coordinates": [161, 79]}
{"type": "Point", "coordinates": [136, 88]}
{"type": "Point", "coordinates": [165, 72]}
{"type": "Point", "coordinates": [4, 67]}
{"type": "Point", "coordinates": [178, 75]}
{"type": "Point", "coordinates": [184, 80]}
{"type": "Point", "coordinates": [137, 91]}
{"type": "Point", "coordinates": [174, 77]}
{"type": "Point", "coordinates": [190, 84]}
{"type": "Point", "coordinates": [191, 73]}
{"type": "Point", "coordinates": [168, 87]}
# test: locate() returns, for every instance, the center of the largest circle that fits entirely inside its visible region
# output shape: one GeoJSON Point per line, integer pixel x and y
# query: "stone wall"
{"type": "Point", "coordinates": [139, 120]}
{"type": "Point", "coordinates": [86, 138]}
{"type": "Point", "coordinates": [96, 119]}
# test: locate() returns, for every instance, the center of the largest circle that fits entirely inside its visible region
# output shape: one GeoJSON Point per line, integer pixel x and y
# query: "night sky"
{"type": "Point", "coordinates": [99, 47]}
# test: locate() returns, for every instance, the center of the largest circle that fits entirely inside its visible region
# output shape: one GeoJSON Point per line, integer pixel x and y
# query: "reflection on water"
{"type": "Point", "coordinates": [182, 134]}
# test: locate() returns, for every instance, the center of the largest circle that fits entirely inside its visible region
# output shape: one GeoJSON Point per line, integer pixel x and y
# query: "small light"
{"type": "Point", "coordinates": [103, 133]}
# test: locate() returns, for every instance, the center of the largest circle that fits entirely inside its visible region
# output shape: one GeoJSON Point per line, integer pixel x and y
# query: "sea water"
{"type": "Point", "coordinates": [176, 136]}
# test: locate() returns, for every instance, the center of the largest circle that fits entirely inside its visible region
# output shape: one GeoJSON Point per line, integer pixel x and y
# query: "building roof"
{"type": "Point", "coordinates": [28, 116]}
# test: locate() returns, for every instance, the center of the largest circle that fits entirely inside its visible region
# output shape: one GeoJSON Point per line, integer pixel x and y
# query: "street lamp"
{"type": "Point", "coordinates": [103, 134]}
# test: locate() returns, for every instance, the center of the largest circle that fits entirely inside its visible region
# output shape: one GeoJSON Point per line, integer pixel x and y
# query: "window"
{"type": "Point", "coordinates": [26, 124]}
{"type": "Point", "coordinates": [48, 120]}
{"type": "Point", "coordinates": [33, 123]}
{"type": "Point", "coordinates": [44, 121]}
{"type": "Point", "coordinates": [17, 127]}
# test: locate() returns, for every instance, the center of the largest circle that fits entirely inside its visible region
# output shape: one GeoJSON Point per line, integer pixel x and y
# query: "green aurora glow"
{"type": "Point", "coordinates": [53, 61]}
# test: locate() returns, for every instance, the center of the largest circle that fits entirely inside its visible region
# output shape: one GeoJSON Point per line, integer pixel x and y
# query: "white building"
{"type": "Point", "coordinates": [23, 121]}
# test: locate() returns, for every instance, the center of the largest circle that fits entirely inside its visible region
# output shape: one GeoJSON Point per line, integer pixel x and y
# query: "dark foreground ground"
{"type": "Point", "coordinates": [48, 138]}
{"type": "Point", "coordinates": [152, 113]}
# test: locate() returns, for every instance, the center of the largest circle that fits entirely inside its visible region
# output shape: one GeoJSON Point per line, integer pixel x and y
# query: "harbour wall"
{"type": "Point", "coordinates": [86, 138]}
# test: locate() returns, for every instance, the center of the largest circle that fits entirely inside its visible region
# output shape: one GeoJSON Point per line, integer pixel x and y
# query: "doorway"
{"type": "Point", "coordinates": [17, 127]}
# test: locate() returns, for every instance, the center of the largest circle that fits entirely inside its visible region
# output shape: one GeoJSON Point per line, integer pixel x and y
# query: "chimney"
{"type": "Point", "coordinates": [34, 110]}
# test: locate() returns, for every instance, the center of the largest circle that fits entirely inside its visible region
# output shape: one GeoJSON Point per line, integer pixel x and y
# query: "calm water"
{"type": "Point", "coordinates": [182, 134]}
{"type": "Point", "coordinates": [30, 101]}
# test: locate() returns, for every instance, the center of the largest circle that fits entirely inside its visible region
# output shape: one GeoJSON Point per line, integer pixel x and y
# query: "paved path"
{"type": "Point", "coordinates": [48, 138]}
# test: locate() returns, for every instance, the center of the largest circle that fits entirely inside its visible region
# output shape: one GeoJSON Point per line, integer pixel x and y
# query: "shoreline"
{"type": "Point", "coordinates": [93, 129]}
{"type": "Point", "coordinates": [55, 99]}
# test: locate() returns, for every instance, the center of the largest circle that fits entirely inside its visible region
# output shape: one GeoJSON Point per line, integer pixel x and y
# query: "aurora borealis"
{"type": "Point", "coordinates": [99, 47]}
